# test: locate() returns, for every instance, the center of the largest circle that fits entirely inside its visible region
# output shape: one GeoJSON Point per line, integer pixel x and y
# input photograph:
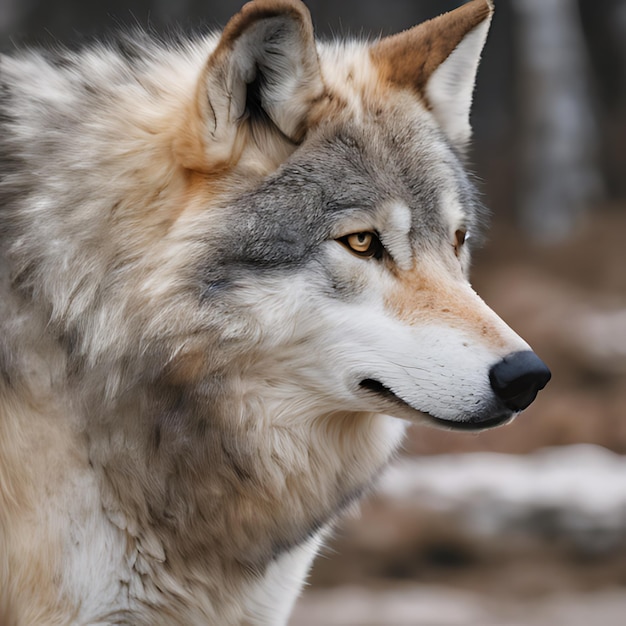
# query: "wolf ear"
{"type": "Point", "coordinates": [439, 60]}
{"type": "Point", "coordinates": [261, 79]}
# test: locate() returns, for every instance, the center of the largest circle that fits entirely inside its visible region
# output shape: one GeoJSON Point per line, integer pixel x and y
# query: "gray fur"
{"type": "Point", "coordinates": [281, 224]}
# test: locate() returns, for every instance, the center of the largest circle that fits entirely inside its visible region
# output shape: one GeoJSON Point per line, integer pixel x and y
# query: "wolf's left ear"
{"type": "Point", "coordinates": [439, 60]}
{"type": "Point", "coordinates": [258, 85]}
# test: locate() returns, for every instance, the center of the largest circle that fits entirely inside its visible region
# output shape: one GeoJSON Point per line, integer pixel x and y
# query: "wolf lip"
{"type": "Point", "coordinates": [378, 388]}
{"type": "Point", "coordinates": [375, 386]}
{"type": "Point", "coordinates": [476, 425]}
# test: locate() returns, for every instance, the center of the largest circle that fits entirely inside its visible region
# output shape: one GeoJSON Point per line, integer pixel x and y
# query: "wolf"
{"type": "Point", "coordinates": [232, 268]}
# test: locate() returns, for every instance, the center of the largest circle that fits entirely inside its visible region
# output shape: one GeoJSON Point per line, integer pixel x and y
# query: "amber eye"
{"type": "Point", "coordinates": [364, 244]}
{"type": "Point", "coordinates": [459, 239]}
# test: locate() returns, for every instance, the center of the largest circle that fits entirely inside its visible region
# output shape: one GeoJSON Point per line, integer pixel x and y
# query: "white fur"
{"type": "Point", "coordinates": [395, 227]}
{"type": "Point", "coordinates": [451, 86]}
{"type": "Point", "coordinates": [270, 600]}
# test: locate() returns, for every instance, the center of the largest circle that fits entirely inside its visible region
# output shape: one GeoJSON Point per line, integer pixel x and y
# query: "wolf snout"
{"type": "Point", "coordinates": [517, 379]}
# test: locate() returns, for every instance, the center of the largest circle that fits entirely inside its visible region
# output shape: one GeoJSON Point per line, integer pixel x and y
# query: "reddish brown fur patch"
{"type": "Point", "coordinates": [421, 296]}
{"type": "Point", "coordinates": [201, 189]}
{"type": "Point", "coordinates": [188, 145]}
{"type": "Point", "coordinates": [408, 59]}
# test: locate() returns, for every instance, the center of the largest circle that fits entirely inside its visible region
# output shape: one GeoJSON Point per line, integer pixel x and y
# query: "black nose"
{"type": "Point", "coordinates": [517, 379]}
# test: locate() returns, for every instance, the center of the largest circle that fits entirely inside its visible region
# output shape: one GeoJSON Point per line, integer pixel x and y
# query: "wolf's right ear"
{"type": "Point", "coordinates": [259, 84]}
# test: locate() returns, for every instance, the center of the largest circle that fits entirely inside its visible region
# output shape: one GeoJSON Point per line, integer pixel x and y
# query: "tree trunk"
{"type": "Point", "coordinates": [561, 177]}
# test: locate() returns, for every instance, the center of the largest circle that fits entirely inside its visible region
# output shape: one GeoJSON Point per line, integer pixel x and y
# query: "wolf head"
{"type": "Point", "coordinates": [292, 216]}
{"type": "Point", "coordinates": [348, 257]}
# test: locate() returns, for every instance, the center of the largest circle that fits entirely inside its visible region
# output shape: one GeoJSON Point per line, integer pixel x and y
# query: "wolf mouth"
{"type": "Point", "coordinates": [471, 424]}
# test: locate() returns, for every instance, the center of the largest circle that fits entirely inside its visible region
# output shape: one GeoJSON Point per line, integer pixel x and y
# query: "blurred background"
{"type": "Point", "coordinates": [524, 525]}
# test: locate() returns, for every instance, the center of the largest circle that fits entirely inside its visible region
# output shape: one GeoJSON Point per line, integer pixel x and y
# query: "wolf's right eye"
{"type": "Point", "coordinates": [460, 237]}
{"type": "Point", "coordinates": [365, 244]}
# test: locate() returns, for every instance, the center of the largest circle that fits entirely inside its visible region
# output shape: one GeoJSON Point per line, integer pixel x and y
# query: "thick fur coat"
{"type": "Point", "coordinates": [225, 264]}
